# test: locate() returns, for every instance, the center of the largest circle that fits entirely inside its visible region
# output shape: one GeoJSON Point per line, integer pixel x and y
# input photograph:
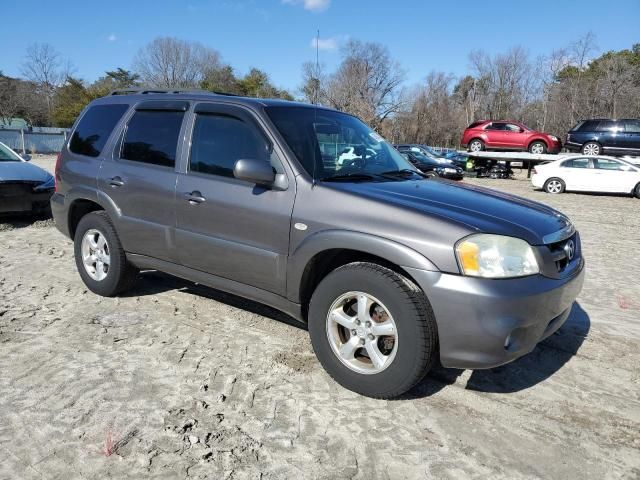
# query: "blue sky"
{"type": "Point", "coordinates": [277, 35]}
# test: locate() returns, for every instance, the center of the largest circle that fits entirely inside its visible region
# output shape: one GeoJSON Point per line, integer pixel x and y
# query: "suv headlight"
{"type": "Point", "coordinates": [496, 256]}
{"type": "Point", "coordinates": [555, 139]}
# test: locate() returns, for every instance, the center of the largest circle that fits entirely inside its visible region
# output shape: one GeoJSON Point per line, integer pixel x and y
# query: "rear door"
{"type": "Point", "coordinates": [578, 173]}
{"type": "Point", "coordinates": [141, 177]}
{"type": "Point", "coordinates": [228, 227]}
{"type": "Point", "coordinates": [496, 135]}
{"type": "Point", "coordinates": [610, 133]}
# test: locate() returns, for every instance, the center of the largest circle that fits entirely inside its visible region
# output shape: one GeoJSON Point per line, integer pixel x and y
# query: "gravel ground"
{"type": "Point", "coordinates": [177, 380]}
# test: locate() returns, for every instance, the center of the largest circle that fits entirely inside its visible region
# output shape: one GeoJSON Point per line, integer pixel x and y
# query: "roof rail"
{"type": "Point", "coordinates": [148, 91]}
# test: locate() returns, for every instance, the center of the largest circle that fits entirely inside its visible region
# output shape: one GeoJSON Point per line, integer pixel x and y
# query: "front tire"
{"type": "Point", "coordinates": [554, 185]}
{"type": "Point", "coordinates": [372, 329]}
{"type": "Point", "coordinates": [100, 258]}
{"type": "Point", "coordinates": [591, 148]}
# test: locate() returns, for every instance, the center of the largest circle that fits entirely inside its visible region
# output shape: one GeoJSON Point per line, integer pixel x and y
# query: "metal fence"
{"type": "Point", "coordinates": [35, 140]}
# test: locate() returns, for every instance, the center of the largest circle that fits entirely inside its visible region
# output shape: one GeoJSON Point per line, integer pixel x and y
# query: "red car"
{"type": "Point", "coordinates": [508, 135]}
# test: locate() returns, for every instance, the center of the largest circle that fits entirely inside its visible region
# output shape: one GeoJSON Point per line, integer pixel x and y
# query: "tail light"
{"type": "Point", "coordinates": [57, 170]}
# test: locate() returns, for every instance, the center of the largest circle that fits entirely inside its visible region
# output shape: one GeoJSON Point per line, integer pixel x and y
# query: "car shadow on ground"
{"type": "Point", "coordinates": [11, 221]}
{"type": "Point", "coordinates": [545, 360]}
{"type": "Point", "coordinates": [152, 282]}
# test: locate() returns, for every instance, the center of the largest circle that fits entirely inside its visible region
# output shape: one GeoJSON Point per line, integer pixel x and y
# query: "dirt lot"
{"type": "Point", "coordinates": [177, 380]}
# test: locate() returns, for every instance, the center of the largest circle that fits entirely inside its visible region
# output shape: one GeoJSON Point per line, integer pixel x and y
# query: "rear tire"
{"type": "Point", "coordinates": [636, 191]}
{"type": "Point", "coordinates": [476, 145]}
{"type": "Point", "coordinates": [100, 258]}
{"type": "Point", "coordinates": [554, 185]}
{"type": "Point", "coordinates": [591, 148]}
{"type": "Point", "coordinates": [403, 355]}
{"type": "Point", "coordinates": [538, 148]}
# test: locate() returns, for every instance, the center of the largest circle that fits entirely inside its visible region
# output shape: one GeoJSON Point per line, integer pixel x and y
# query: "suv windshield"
{"type": "Point", "coordinates": [334, 145]}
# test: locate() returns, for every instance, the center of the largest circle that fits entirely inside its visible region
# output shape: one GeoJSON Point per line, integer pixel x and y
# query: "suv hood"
{"type": "Point", "coordinates": [22, 172]}
{"type": "Point", "coordinates": [477, 208]}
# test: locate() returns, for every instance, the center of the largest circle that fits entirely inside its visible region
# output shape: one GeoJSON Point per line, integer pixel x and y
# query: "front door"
{"type": "Point", "coordinates": [140, 178]}
{"type": "Point", "coordinates": [229, 227]}
{"type": "Point", "coordinates": [614, 176]}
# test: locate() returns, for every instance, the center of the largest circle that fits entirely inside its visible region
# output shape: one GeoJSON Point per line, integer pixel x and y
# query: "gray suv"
{"type": "Point", "coordinates": [389, 270]}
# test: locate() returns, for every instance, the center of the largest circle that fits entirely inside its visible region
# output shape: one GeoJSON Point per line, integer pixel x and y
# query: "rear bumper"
{"type": "Point", "coordinates": [59, 212]}
{"type": "Point", "coordinates": [485, 323]}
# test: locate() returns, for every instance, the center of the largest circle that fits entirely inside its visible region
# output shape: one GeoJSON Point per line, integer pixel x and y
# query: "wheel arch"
{"type": "Point", "coordinates": [84, 201]}
{"type": "Point", "coordinates": [537, 139]}
{"type": "Point", "coordinates": [325, 251]}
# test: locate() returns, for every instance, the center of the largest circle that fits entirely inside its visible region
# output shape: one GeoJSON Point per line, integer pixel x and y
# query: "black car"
{"type": "Point", "coordinates": [433, 167]}
{"type": "Point", "coordinates": [24, 188]}
{"type": "Point", "coordinates": [600, 136]}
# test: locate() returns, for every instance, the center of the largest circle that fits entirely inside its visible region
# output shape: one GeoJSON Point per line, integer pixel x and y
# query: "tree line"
{"type": "Point", "coordinates": [549, 93]}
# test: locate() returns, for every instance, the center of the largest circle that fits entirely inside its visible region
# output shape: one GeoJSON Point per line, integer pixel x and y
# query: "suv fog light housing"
{"type": "Point", "coordinates": [496, 256]}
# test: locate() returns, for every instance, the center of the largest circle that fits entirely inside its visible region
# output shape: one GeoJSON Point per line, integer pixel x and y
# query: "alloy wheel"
{"type": "Point", "coordinates": [537, 148]}
{"type": "Point", "coordinates": [475, 146]}
{"type": "Point", "coordinates": [362, 333]}
{"type": "Point", "coordinates": [95, 254]}
{"type": "Point", "coordinates": [592, 149]}
{"type": "Point", "coordinates": [554, 186]}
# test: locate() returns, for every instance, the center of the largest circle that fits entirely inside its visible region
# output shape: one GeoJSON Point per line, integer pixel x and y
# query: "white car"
{"type": "Point", "coordinates": [588, 174]}
{"type": "Point", "coordinates": [349, 153]}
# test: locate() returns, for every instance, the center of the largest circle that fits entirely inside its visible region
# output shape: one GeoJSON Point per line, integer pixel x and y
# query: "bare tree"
{"type": "Point", "coordinates": [367, 83]}
{"type": "Point", "coordinates": [10, 102]}
{"type": "Point", "coordinates": [169, 62]}
{"type": "Point", "coordinates": [617, 77]}
{"type": "Point", "coordinates": [44, 67]}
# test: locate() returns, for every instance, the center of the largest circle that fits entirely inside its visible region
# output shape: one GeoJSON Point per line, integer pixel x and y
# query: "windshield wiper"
{"type": "Point", "coordinates": [348, 176]}
{"type": "Point", "coordinates": [403, 171]}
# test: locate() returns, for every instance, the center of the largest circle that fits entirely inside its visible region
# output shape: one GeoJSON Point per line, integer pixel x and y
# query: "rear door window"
{"type": "Point", "coordinates": [588, 126]}
{"type": "Point", "coordinates": [608, 126]}
{"type": "Point", "coordinates": [152, 137]}
{"type": "Point", "coordinates": [576, 163]}
{"type": "Point", "coordinates": [94, 129]}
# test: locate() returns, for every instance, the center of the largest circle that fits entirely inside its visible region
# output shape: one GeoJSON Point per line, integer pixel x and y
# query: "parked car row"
{"type": "Point", "coordinates": [589, 137]}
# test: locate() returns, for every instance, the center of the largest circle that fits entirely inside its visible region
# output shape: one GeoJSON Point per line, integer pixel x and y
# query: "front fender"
{"type": "Point", "coordinates": [316, 243]}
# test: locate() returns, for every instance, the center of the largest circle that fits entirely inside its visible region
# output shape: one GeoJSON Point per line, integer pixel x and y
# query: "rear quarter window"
{"type": "Point", "coordinates": [94, 129]}
{"type": "Point", "coordinates": [588, 126]}
{"type": "Point", "coordinates": [475, 124]}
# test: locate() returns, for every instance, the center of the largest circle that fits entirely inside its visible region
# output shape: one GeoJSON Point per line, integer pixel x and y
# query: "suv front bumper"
{"type": "Point", "coordinates": [484, 323]}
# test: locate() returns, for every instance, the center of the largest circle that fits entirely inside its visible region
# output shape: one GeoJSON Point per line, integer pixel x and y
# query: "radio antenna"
{"type": "Point", "coordinates": [316, 88]}
{"type": "Point", "coordinates": [317, 82]}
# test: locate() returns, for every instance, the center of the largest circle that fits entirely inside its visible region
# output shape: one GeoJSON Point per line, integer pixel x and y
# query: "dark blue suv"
{"type": "Point", "coordinates": [598, 136]}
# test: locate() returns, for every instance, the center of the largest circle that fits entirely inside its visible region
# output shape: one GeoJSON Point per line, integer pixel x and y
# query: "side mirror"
{"type": "Point", "coordinates": [25, 157]}
{"type": "Point", "coordinates": [255, 171]}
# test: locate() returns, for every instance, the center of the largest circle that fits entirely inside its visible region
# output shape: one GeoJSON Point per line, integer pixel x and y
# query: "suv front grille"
{"type": "Point", "coordinates": [564, 252]}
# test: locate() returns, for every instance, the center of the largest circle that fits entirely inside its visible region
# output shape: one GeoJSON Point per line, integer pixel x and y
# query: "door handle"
{"type": "Point", "coordinates": [195, 197]}
{"type": "Point", "coordinates": [116, 182]}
